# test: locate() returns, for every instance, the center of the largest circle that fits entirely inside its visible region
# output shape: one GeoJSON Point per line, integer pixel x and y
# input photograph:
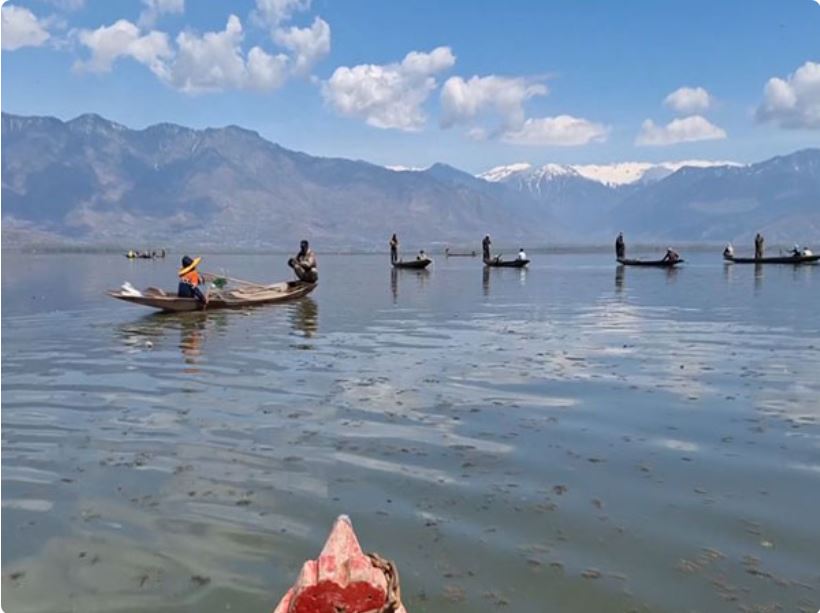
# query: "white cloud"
{"type": "Point", "coordinates": [462, 100]}
{"type": "Point", "coordinates": [793, 102]}
{"type": "Point", "coordinates": [155, 8]}
{"type": "Point", "coordinates": [21, 28]}
{"type": "Point", "coordinates": [214, 61]}
{"type": "Point", "coordinates": [689, 100]}
{"type": "Point", "coordinates": [123, 39]}
{"type": "Point", "coordinates": [274, 12]}
{"type": "Point", "coordinates": [688, 129]}
{"type": "Point", "coordinates": [563, 130]}
{"type": "Point", "coordinates": [308, 45]}
{"type": "Point", "coordinates": [389, 95]}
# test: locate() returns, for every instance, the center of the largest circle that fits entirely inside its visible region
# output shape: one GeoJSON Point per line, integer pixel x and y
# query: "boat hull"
{"type": "Point", "coordinates": [784, 259]}
{"type": "Point", "coordinates": [506, 263]}
{"type": "Point", "coordinates": [220, 299]}
{"type": "Point", "coordinates": [413, 264]}
{"type": "Point", "coordinates": [650, 263]}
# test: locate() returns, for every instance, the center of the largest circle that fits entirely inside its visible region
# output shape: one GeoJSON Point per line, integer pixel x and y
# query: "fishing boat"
{"type": "Point", "coordinates": [413, 264]}
{"type": "Point", "coordinates": [662, 263]}
{"type": "Point", "coordinates": [454, 254]}
{"type": "Point", "coordinates": [344, 579]}
{"type": "Point", "coordinates": [779, 259]}
{"type": "Point", "coordinates": [246, 296]}
{"type": "Point", "coordinates": [499, 263]}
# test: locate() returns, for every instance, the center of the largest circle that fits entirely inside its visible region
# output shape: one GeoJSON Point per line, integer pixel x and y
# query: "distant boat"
{"type": "Point", "coordinates": [464, 254]}
{"type": "Point", "coordinates": [218, 299]}
{"type": "Point", "coordinates": [662, 263]}
{"type": "Point", "coordinates": [778, 259]}
{"type": "Point", "coordinates": [413, 264]}
{"type": "Point", "coordinates": [499, 263]}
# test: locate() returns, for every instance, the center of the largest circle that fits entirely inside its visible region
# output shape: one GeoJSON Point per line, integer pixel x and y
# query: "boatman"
{"type": "Point", "coordinates": [190, 281]}
{"type": "Point", "coordinates": [304, 264]}
{"type": "Point", "coordinates": [671, 255]}
{"type": "Point", "coordinates": [620, 247]}
{"type": "Point", "coordinates": [394, 249]}
{"type": "Point", "coordinates": [758, 246]}
{"type": "Point", "coordinates": [522, 255]}
{"type": "Point", "coordinates": [421, 256]}
{"type": "Point", "coordinates": [485, 245]}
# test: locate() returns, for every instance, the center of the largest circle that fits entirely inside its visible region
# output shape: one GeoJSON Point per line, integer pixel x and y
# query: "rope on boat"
{"type": "Point", "coordinates": [391, 573]}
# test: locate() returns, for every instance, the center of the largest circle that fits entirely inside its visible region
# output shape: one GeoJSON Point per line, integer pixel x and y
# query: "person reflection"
{"type": "Point", "coordinates": [671, 274]}
{"type": "Point", "coordinates": [191, 338]}
{"type": "Point", "coordinates": [758, 276]}
{"type": "Point", "coordinates": [485, 280]}
{"type": "Point", "coordinates": [305, 317]}
{"type": "Point", "coordinates": [394, 284]}
{"type": "Point", "coordinates": [619, 278]}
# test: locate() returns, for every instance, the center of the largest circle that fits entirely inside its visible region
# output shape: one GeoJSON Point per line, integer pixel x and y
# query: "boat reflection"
{"type": "Point", "coordinates": [422, 276]}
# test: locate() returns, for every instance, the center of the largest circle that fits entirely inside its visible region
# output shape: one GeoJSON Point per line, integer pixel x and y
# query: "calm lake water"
{"type": "Point", "coordinates": [571, 438]}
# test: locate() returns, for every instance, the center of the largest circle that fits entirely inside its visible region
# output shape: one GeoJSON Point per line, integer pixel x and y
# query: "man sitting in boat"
{"type": "Point", "coordinates": [729, 252]}
{"type": "Point", "coordinates": [190, 281]}
{"type": "Point", "coordinates": [304, 264]}
{"type": "Point", "coordinates": [671, 256]}
{"type": "Point", "coordinates": [521, 254]}
{"type": "Point", "coordinates": [421, 255]}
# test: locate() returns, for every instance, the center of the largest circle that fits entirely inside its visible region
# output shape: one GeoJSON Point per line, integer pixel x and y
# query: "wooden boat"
{"type": "Point", "coordinates": [218, 299]}
{"type": "Point", "coordinates": [655, 263]}
{"type": "Point", "coordinates": [344, 579]}
{"type": "Point", "coordinates": [499, 263]}
{"type": "Point", "coordinates": [413, 264]}
{"type": "Point", "coordinates": [779, 259]}
{"type": "Point", "coordinates": [468, 254]}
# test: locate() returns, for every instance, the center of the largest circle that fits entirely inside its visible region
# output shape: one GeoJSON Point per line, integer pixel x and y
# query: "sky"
{"type": "Point", "coordinates": [474, 84]}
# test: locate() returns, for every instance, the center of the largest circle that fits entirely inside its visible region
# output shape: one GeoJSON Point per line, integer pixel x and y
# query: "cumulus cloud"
{"type": "Point", "coordinates": [563, 130]}
{"type": "Point", "coordinates": [21, 28]}
{"type": "Point", "coordinates": [793, 102]}
{"type": "Point", "coordinates": [274, 12]}
{"type": "Point", "coordinates": [214, 61]}
{"type": "Point", "coordinates": [685, 130]}
{"type": "Point", "coordinates": [124, 39]}
{"type": "Point", "coordinates": [689, 100]}
{"type": "Point", "coordinates": [155, 8]}
{"type": "Point", "coordinates": [389, 95]}
{"type": "Point", "coordinates": [463, 101]}
{"type": "Point", "coordinates": [308, 45]}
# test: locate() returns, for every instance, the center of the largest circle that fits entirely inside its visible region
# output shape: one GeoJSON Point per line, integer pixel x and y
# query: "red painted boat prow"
{"type": "Point", "coordinates": [344, 579]}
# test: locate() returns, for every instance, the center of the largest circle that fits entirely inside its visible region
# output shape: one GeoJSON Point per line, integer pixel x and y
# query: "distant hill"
{"type": "Point", "coordinates": [93, 181]}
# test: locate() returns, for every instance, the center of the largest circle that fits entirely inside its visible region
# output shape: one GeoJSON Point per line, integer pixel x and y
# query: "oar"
{"type": "Point", "coordinates": [232, 279]}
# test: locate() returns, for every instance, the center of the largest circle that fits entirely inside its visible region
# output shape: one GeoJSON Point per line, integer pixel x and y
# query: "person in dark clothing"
{"type": "Point", "coordinates": [394, 249]}
{"type": "Point", "coordinates": [190, 281]}
{"type": "Point", "coordinates": [620, 246]}
{"type": "Point", "coordinates": [758, 246]}
{"type": "Point", "coordinates": [304, 264]}
{"type": "Point", "coordinates": [485, 245]}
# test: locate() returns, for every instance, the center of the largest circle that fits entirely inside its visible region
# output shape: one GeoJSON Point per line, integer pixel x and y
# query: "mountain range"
{"type": "Point", "coordinates": [93, 181]}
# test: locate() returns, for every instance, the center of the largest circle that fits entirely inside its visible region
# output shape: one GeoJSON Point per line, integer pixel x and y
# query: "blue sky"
{"type": "Point", "coordinates": [471, 83]}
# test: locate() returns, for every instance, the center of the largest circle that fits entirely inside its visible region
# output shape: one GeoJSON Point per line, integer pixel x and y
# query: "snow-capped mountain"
{"type": "Point", "coordinates": [613, 175]}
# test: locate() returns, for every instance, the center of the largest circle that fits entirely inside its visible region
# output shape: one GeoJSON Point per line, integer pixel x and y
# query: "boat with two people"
{"type": "Point", "coordinates": [421, 262]}
{"type": "Point", "coordinates": [669, 260]}
{"type": "Point", "coordinates": [796, 256]}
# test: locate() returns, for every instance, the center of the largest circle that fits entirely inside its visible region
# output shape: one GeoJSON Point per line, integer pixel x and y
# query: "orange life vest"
{"type": "Point", "coordinates": [192, 278]}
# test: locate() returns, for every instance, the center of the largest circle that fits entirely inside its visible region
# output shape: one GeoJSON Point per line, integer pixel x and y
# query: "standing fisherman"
{"type": "Point", "coordinates": [758, 246]}
{"type": "Point", "coordinates": [485, 245]}
{"type": "Point", "coordinates": [394, 249]}
{"type": "Point", "coordinates": [620, 247]}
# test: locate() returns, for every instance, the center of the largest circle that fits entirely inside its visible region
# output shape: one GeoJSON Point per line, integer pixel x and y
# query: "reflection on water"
{"type": "Point", "coordinates": [648, 446]}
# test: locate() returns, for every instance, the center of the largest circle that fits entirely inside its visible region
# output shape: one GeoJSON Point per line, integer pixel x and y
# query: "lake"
{"type": "Point", "coordinates": [575, 437]}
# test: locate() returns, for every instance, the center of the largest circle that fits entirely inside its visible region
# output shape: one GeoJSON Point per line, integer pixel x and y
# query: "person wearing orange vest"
{"type": "Point", "coordinates": [190, 281]}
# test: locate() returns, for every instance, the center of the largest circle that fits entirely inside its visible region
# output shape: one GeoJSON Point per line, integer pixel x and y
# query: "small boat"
{"type": "Point", "coordinates": [217, 299]}
{"type": "Point", "coordinates": [662, 263]}
{"type": "Point", "coordinates": [344, 579]}
{"type": "Point", "coordinates": [467, 254]}
{"type": "Point", "coordinates": [413, 264]}
{"type": "Point", "coordinates": [499, 263]}
{"type": "Point", "coordinates": [779, 259]}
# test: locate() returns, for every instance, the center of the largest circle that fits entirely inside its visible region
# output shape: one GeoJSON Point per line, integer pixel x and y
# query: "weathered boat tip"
{"type": "Point", "coordinates": [344, 579]}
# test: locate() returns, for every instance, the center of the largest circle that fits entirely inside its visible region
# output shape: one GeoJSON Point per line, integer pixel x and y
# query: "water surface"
{"type": "Point", "coordinates": [575, 437]}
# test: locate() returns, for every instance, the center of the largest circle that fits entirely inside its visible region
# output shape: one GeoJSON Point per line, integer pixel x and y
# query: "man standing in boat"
{"type": "Point", "coordinates": [485, 245]}
{"type": "Point", "coordinates": [620, 247]}
{"type": "Point", "coordinates": [394, 249]}
{"type": "Point", "coordinates": [304, 264]}
{"type": "Point", "coordinates": [190, 281]}
{"type": "Point", "coordinates": [758, 246]}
